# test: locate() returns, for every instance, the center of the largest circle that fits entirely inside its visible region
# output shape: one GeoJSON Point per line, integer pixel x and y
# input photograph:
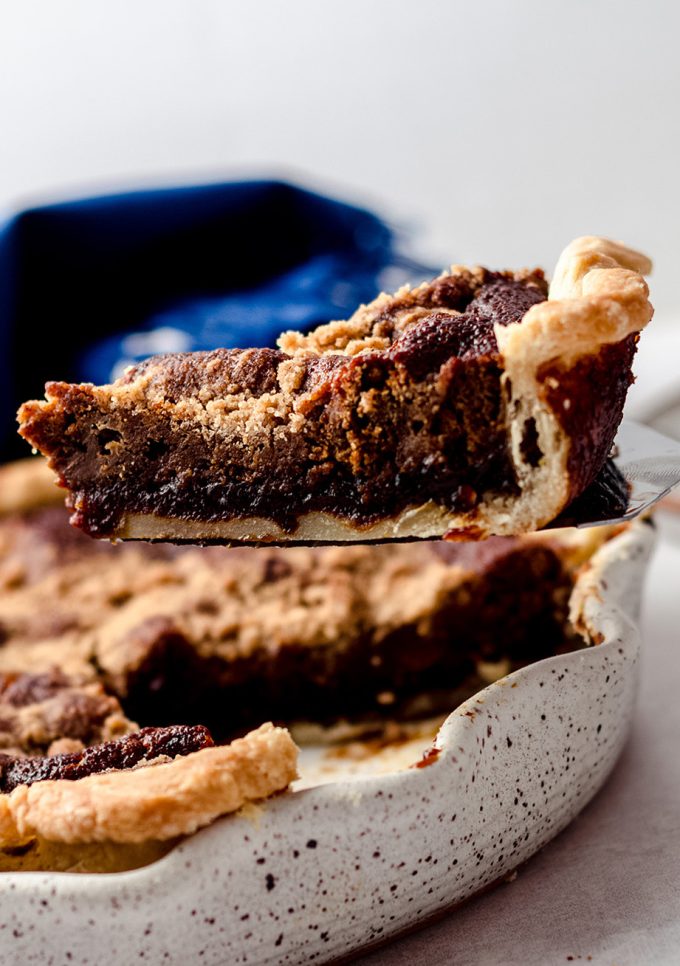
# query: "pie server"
{"type": "Point", "coordinates": [650, 466]}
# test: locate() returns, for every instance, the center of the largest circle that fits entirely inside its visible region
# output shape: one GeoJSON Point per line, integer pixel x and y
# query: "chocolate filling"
{"type": "Point", "coordinates": [515, 609]}
{"type": "Point", "coordinates": [187, 666]}
{"type": "Point", "coordinates": [591, 394]}
{"type": "Point", "coordinates": [383, 430]}
{"type": "Point", "coordinates": [144, 745]}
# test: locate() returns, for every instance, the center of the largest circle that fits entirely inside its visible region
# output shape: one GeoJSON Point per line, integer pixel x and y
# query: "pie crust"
{"type": "Point", "coordinates": [162, 800]}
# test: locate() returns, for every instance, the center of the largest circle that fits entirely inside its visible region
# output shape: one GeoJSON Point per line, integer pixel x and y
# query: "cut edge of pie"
{"type": "Point", "coordinates": [558, 370]}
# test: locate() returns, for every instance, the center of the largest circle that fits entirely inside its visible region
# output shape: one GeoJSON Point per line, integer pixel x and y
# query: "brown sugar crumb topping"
{"type": "Point", "coordinates": [39, 709]}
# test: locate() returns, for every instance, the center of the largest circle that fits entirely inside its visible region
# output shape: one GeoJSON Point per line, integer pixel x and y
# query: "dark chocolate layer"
{"type": "Point", "coordinates": [514, 608]}
{"type": "Point", "coordinates": [591, 393]}
{"type": "Point", "coordinates": [144, 745]}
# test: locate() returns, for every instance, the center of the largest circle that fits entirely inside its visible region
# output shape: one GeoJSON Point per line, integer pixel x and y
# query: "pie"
{"type": "Point", "coordinates": [229, 637]}
{"type": "Point", "coordinates": [479, 403]}
{"type": "Point", "coordinates": [122, 664]}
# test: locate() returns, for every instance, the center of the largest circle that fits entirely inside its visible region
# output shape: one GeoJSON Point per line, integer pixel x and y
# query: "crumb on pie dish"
{"type": "Point", "coordinates": [115, 658]}
{"type": "Point", "coordinates": [479, 403]}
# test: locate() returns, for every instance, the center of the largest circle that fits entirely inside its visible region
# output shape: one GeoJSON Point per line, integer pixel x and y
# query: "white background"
{"type": "Point", "coordinates": [498, 129]}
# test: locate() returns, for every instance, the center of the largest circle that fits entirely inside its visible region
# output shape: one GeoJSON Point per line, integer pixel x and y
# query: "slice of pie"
{"type": "Point", "coordinates": [230, 637]}
{"type": "Point", "coordinates": [479, 403]}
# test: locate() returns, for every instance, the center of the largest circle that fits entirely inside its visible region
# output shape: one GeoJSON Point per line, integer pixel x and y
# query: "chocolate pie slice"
{"type": "Point", "coordinates": [479, 403]}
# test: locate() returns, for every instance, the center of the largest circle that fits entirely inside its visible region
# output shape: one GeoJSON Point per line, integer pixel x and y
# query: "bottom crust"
{"type": "Point", "coordinates": [425, 522]}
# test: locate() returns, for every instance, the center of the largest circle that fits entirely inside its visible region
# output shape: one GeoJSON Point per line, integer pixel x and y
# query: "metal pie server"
{"type": "Point", "coordinates": [646, 463]}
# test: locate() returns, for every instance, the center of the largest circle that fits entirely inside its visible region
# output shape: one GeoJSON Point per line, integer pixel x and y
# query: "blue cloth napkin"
{"type": "Point", "coordinates": [88, 286]}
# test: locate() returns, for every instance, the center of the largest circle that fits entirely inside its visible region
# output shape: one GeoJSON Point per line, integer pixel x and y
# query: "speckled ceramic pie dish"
{"type": "Point", "coordinates": [361, 850]}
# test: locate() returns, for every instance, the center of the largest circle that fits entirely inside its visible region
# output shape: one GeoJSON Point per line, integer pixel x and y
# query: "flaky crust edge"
{"type": "Point", "coordinates": [597, 296]}
{"type": "Point", "coordinates": [155, 802]}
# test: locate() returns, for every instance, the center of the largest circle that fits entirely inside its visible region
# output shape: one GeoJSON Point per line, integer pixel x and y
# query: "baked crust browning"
{"type": "Point", "coordinates": [161, 800]}
{"type": "Point", "coordinates": [567, 371]}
